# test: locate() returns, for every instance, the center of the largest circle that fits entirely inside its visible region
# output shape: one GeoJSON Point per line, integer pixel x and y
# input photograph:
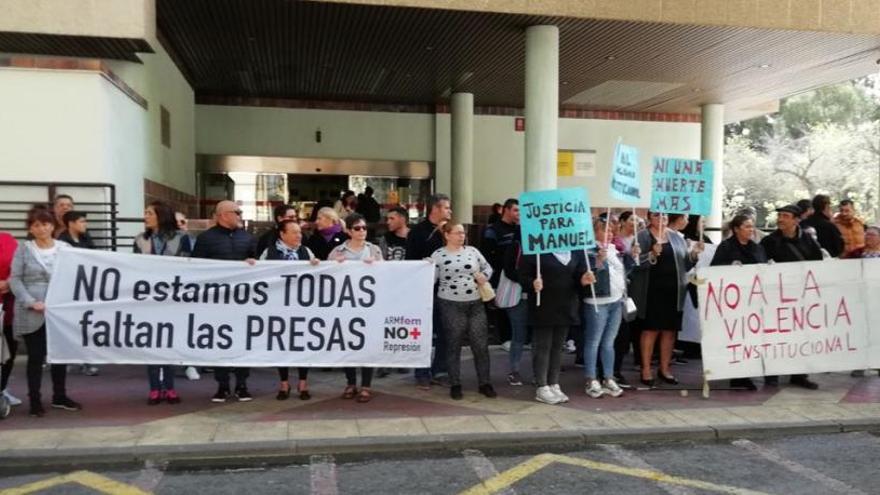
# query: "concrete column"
{"type": "Point", "coordinates": [542, 106]}
{"type": "Point", "coordinates": [712, 148]}
{"type": "Point", "coordinates": [462, 113]}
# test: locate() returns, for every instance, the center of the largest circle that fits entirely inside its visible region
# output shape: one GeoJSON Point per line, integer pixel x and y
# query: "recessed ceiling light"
{"type": "Point", "coordinates": [610, 57]}
{"type": "Point", "coordinates": [564, 83]}
{"type": "Point", "coordinates": [764, 66]}
{"type": "Point", "coordinates": [429, 48]}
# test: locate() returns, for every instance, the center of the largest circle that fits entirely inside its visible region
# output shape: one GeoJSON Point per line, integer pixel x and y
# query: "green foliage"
{"type": "Point", "coordinates": [822, 141]}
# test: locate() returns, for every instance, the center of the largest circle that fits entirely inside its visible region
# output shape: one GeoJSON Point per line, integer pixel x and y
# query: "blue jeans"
{"type": "Point", "coordinates": [438, 363]}
{"type": "Point", "coordinates": [167, 381]}
{"type": "Point", "coordinates": [600, 330]}
{"type": "Point", "coordinates": [519, 319]}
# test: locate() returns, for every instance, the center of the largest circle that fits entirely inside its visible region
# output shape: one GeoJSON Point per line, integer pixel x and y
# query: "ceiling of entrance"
{"type": "Point", "coordinates": [362, 53]}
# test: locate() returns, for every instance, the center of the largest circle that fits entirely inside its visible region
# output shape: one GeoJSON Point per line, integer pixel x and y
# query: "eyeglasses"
{"type": "Point", "coordinates": [358, 228]}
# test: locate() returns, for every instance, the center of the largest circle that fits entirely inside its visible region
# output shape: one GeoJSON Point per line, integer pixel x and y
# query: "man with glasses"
{"type": "Point", "coordinates": [281, 213]}
{"type": "Point", "coordinates": [227, 240]}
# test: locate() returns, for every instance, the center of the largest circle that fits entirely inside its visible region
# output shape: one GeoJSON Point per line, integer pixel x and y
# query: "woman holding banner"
{"type": "Point", "coordinates": [356, 248]}
{"type": "Point", "coordinates": [740, 249]}
{"type": "Point", "coordinates": [31, 270]}
{"type": "Point", "coordinates": [289, 247]}
{"type": "Point", "coordinates": [161, 238]}
{"type": "Point", "coordinates": [658, 287]}
{"type": "Point", "coordinates": [562, 277]}
{"type": "Point", "coordinates": [460, 271]}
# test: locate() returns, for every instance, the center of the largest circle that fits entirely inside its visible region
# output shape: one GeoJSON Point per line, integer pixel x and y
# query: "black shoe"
{"type": "Point", "coordinates": [242, 394]}
{"type": "Point", "coordinates": [36, 410]}
{"type": "Point", "coordinates": [804, 382]}
{"type": "Point", "coordinates": [382, 372]}
{"type": "Point", "coordinates": [622, 382]}
{"type": "Point", "coordinates": [668, 379]}
{"type": "Point", "coordinates": [66, 404]}
{"type": "Point", "coordinates": [455, 392]}
{"type": "Point", "coordinates": [745, 383]}
{"type": "Point", "coordinates": [771, 381]}
{"type": "Point", "coordinates": [648, 383]}
{"type": "Point", "coordinates": [488, 391]}
{"type": "Point", "coordinates": [222, 395]}
{"type": "Point", "coordinates": [283, 394]}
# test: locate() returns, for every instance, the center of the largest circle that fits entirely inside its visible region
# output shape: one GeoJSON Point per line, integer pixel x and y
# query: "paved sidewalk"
{"type": "Point", "coordinates": [116, 425]}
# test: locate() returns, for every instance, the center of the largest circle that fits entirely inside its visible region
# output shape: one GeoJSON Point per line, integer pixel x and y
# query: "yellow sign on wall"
{"type": "Point", "coordinates": [564, 163]}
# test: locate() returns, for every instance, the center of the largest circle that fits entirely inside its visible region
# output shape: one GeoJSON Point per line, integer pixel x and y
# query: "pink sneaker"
{"type": "Point", "coordinates": [172, 397]}
{"type": "Point", "coordinates": [154, 398]}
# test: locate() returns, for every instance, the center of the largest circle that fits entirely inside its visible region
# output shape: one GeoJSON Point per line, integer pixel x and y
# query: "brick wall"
{"type": "Point", "coordinates": [179, 200]}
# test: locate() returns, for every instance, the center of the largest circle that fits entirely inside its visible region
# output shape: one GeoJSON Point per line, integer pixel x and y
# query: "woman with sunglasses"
{"type": "Point", "coordinates": [356, 248]}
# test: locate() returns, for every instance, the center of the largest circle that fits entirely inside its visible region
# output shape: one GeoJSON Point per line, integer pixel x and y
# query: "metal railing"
{"type": "Point", "coordinates": [96, 199]}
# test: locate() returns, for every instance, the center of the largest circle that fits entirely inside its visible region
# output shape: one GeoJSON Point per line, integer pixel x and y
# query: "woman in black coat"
{"type": "Point", "coordinates": [740, 249]}
{"type": "Point", "coordinates": [328, 233]}
{"type": "Point", "coordinates": [562, 277]}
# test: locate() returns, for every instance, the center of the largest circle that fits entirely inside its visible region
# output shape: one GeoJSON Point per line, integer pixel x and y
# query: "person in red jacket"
{"type": "Point", "coordinates": [8, 245]}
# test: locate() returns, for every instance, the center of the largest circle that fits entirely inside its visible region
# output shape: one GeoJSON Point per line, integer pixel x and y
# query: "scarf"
{"type": "Point", "coordinates": [287, 253]}
{"type": "Point", "coordinates": [329, 232]}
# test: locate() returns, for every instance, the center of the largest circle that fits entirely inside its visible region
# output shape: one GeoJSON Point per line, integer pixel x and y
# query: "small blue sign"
{"type": "Point", "coordinates": [680, 185]}
{"type": "Point", "coordinates": [625, 184]}
{"type": "Point", "coordinates": [556, 220]}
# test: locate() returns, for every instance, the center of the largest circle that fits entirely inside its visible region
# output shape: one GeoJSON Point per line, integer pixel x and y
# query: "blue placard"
{"type": "Point", "coordinates": [625, 184]}
{"type": "Point", "coordinates": [683, 186]}
{"type": "Point", "coordinates": [555, 220]}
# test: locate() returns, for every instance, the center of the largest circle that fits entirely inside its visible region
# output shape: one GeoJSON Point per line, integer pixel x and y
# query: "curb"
{"type": "Point", "coordinates": [228, 455]}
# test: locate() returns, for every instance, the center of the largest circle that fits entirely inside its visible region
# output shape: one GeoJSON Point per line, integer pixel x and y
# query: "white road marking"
{"type": "Point", "coordinates": [484, 468]}
{"type": "Point", "coordinates": [323, 475]}
{"type": "Point", "coordinates": [630, 459]}
{"type": "Point", "coordinates": [149, 477]}
{"type": "Point", "coordinates": [807, 472]}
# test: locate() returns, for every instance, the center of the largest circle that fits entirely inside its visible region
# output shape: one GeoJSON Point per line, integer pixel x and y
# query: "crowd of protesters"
{"type": "Point", "coordinates": [628, 292]}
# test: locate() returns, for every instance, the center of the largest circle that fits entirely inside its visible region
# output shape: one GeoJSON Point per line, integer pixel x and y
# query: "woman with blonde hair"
{"type": "Point", "coordinates": [328, 233]}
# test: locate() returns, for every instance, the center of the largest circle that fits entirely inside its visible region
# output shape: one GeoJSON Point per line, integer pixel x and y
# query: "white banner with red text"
{"type": "Point", "coordinates": [118, 308]}
{"type": "Point", "coordinates": [786, 318]}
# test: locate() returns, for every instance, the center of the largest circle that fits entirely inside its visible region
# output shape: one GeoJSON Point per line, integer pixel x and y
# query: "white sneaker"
{"type": "Point", "coordinates": [545, 394]}
{"type": "Point", "coordinates": [192, 374]}
{"type": "Point", "coordinates": [11, 399]}
{"type": "Point", "coordinates": [506, 346]}
{"type": "Point", "coordinates": [610, 387]}
{"type": "Point", "coordinates": [570, 348]}
{"type": "Point", "coordinates": [558, 391]}
{"type": "Point", "coordinates": [594, 389]}
{"type": "Point", "coordinates": [90, 370]}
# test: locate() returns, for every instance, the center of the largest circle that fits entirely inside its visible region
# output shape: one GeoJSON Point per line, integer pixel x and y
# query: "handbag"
{"type": "Point", "coordinates": [508, 294]}
{"type": "Point", "coordinates": [487, 293]}
{"type": "Point", "coordinates": [630, 311]}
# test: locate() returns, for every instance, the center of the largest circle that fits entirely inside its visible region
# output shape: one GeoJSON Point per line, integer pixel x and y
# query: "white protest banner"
{"type": "Point", "coordinates": [783, 318]}
{"type": "Point", "coordinates": [140, 309]}
{"type": "Point", "coordinates": [871, 271]}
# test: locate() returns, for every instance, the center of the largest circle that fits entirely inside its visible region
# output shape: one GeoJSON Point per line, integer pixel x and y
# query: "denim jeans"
{"type": "Point", "coordinates": [167, 380]}
{"type": "Point", "coordinates": [519, 318]}
{"type": "Point", "coordinates": [600, 329]}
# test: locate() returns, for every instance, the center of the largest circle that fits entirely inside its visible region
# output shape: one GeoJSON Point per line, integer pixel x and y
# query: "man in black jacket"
{"type": "Point", "coordinates": [789, 243]}
{"type": "Point", "coordinates": [828, 234]}
{"type": "Point", "coordinates": [227, 241]}
{"type": "Point", "coordinates": [500, 236]}
{"type": "Point", "coordinates": [422, 241]}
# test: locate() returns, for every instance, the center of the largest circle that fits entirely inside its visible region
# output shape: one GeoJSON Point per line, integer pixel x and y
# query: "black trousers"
{"type": "Point", "coordinates": [6, 369]}
{"type": "Point", "coordinates": [284, 373]}
{"type": "Point", "coordinates": [36, 351]}
{"type": "Point", "coordinates": [241, 376]}
{"type": "Point", "coordinates": [366, 377]}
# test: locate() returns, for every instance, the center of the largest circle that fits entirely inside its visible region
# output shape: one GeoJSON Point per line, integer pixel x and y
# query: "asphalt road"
{"type": "Point", "coordinates": [818, 464]}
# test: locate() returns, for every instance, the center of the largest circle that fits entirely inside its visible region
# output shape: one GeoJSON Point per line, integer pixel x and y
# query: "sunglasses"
{"type": "Point", "coordinates": [358, 228]}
